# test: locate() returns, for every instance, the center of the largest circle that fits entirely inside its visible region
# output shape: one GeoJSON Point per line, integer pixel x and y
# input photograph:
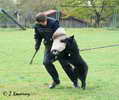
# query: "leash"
{"type": "Point", "coordinates": [108, 46]}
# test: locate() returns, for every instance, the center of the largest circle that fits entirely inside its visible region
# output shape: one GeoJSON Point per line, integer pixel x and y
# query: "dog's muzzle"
{"type": "Point", "coordinates": [55, 52]}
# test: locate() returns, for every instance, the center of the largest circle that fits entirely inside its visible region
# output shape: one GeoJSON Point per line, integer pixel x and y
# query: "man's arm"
{"type": "Point", "coordinates": [55, 25]}
{"type": "Point", "coordinates": [38, 39]}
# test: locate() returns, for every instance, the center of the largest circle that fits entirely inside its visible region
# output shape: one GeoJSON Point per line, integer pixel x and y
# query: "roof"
{"type": "Point", "coordinates": [50, 12]}
{"type": "Point", "coordinates": [76, 19]}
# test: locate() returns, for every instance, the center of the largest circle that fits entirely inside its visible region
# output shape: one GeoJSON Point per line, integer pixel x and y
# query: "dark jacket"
{"type": "Point", "coordinates": [45, 32]}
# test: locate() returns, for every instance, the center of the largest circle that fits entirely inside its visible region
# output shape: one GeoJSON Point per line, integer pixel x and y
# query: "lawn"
{"type": "Point", "coordinates": [17, 76]}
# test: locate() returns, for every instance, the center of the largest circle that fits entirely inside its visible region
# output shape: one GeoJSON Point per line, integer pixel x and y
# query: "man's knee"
{"type": "Point", "coordinates": [46, 63]}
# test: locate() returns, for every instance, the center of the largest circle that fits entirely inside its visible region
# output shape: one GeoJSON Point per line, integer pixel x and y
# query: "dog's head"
{"type": "Point", "coordinates": [68, 41]}
{"type": "Point", "coordinates": [58, 47]}
{"type": "Point", "coordinates": [71, 45]}
{"type": "Point", "coordinates": [63, 44]}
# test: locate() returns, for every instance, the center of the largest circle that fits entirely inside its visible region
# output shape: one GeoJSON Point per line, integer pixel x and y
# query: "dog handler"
{"type": "Point", "coordinates": [44, 29]}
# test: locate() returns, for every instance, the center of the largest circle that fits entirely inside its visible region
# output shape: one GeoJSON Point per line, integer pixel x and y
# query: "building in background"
{"type": "Point", "coordinates": [66, 21]}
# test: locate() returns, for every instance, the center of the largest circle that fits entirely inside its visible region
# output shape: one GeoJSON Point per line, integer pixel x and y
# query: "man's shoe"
{"type": "Point", "coordinates": [75, 85]}
{"type": "Point", "coordinates": [54, 84]}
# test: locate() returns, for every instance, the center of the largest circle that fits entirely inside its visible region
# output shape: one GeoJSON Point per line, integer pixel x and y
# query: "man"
{"type": "Point", "coordinates": [44, 29]}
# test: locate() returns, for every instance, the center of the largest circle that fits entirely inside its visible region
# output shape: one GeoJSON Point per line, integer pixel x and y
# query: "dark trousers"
{"type": "Point", "coordinates": [48, 63]}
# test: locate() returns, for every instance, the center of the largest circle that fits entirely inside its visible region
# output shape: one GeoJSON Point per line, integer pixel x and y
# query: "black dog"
{"type": "Point", "coordinates": [72, 55]}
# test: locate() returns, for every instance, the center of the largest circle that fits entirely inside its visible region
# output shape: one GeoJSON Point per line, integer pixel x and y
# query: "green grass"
{"type": "Point", "coordinates": [17, 48]}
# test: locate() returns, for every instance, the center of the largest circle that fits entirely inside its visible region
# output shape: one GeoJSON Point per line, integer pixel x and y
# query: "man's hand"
{"type": "Point", "coordinates": [37, 47]}
{"type": "Point", "coordinates": [37, 44]}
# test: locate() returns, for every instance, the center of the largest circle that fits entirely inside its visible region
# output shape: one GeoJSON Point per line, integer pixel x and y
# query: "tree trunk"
{"type": "Point", "coordinates": [97, 20]}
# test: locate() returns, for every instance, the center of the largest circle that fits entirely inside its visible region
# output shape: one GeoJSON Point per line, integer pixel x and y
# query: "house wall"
{"type": "Point", "coordinates": [72, 23]}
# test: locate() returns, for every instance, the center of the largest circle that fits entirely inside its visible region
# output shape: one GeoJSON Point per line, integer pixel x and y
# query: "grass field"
{"type": "Point", "coordinates": [17, 76]}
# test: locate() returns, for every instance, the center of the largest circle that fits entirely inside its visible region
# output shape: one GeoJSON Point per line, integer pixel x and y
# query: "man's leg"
{"type": "Point", "coordinates": [51, 69]}
{"type": "Point", "coordinates": [69, 71]}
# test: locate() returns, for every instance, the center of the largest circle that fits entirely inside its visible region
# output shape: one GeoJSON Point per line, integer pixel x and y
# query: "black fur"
{"type": "Point", "coordinates": [72, 55]}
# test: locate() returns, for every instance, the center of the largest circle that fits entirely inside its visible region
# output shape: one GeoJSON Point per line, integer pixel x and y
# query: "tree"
{"type": "Point", "coordinates": [37, 5]}
{"type": "Point", "coordinates": [98, 10]}
{"type": "Point", "coordinates": [7, 5]}
{"type": "Point", "coordinates": [101, 9]}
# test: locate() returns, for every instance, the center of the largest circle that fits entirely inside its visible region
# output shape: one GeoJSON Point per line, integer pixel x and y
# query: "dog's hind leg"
{"type": "Point", "coordinates": [82, 75]}
{"type": "Point", "coordinates": [83, 82]}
